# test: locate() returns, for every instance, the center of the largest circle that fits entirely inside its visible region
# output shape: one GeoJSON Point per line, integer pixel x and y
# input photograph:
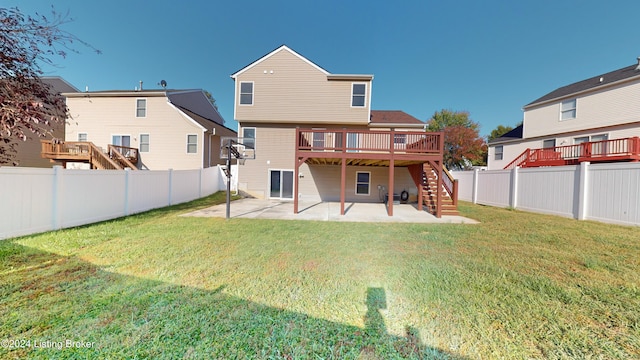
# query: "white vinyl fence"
{"type": "Point", "coordinates": [603, 192]}
{"type": "Point", "coordinates": [34, 200]}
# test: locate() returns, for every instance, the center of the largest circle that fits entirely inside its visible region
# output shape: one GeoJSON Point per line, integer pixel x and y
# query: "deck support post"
{"type": "Point", "coordinates": [296, 176]}
{"type": "Point", "coordinates": [343, 183]}
{"type": "Point", "coordinates": [390, 190]}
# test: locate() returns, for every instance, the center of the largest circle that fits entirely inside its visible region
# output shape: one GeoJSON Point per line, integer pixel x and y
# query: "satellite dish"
{"type": "Point", "coordinates": [163, 84]}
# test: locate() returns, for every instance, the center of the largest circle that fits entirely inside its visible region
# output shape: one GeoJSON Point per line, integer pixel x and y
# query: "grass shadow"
{"type": "Point", "coordinates": [48, 299]}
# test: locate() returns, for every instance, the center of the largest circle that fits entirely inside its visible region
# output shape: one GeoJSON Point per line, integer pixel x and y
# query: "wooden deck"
{"type": "Point", "coordinates": [116, 157]}
{"type": "Point", "coordinates": [616, 150]}
{"type": "Point", "coordinates": [349, 147]}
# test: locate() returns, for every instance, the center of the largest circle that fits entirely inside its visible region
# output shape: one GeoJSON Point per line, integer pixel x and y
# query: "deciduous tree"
{"type": "Point", "coordinates": [463, 145]}
{"type": "Point", "coordinates": [498, 131]}
{"type": "Point", "coordinates": [28, 106]}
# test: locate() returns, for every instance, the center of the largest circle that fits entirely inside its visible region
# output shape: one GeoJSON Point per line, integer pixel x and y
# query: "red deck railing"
{"type": "Point", "coordinates": [626, 149]}
{"type": "Point", "coordinates": [347, 140]}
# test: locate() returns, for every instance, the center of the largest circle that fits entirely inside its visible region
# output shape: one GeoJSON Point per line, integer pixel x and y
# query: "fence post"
{"type": "Point", "coordinates": [170, 185]}
{"type": "Point", "coordinates": [56, 221]}
{"type": "Point", "coordinates": [127, 171]}
{"type": "Point", "coordinates": [583, 192]}
{"type": "Point", "coordinates": [200, 183]}
{"type": "Point", "coordinates": [514, 187]}
{"type": "Point", "coordinates": [474, 186]}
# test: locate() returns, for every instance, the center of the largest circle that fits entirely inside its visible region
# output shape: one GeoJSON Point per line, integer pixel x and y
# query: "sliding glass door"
{"type": "Point", "coordinates": [281, 184]}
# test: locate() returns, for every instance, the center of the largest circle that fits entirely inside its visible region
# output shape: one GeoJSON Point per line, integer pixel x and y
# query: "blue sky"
{"type": "Point", "coordinates": [487, 57]}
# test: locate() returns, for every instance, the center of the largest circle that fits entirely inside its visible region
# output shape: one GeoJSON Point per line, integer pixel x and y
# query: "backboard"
{"type": "Point", "coordinates": [240, 148]}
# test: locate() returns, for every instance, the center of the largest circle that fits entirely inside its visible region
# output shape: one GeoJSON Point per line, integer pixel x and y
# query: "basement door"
{"type": "Point", "coordinates": [281, 184]}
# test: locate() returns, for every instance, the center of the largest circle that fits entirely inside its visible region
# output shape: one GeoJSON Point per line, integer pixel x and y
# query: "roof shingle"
{"type": "Point", "coordinates": [591, 83]}
{"type": "Point", "coordinates": [393, 117]}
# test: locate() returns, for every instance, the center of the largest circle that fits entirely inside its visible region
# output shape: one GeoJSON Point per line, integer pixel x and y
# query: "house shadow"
{"type": "Point", "coordinates": [64, 297]}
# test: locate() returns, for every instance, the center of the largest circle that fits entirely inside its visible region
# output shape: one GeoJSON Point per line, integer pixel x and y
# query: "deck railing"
{"type": "Point", "coordinates": [126, 156]}
{"type": "Point", "coordinates": [450, 184]}
{"type": "Point", "coordinates": [85, 151]}
{"type": "Point", "coordinates": [347, 140]}
{"type": "Point", "coordinates": [594, 151]}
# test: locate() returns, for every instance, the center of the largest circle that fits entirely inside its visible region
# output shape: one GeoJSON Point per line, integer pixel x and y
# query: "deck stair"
{"type": "Point", "coordinates": [430, 193]}
{"type": "Point", "coordinates": [115, 158]}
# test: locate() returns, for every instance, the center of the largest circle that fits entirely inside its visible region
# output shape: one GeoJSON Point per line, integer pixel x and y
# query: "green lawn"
{"type": "Point", "coordinates": [156, 285]}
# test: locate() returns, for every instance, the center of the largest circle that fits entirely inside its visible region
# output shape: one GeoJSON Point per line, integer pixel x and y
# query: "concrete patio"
{"type": "Point", "coordinates": [326, 211]}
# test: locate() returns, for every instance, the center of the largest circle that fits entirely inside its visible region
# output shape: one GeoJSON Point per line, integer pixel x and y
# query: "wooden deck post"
{"type": "Point", "coordinates": [343, 183]}
{"type": "Point", "coordinates": [390, 190]}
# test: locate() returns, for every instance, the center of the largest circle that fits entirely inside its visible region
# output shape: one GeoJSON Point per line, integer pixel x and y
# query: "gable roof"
{"type": "Point", "coordinates": [356, 77]}
{"type": "Point", "coordinates": [393, 117]}
{"type": "Point", "coordinates": [515, 134]}
{"type": "Point", "coordinates": [275, 51]}
{"type": "Point", "coordinates": [195, 101]}
{"type": "Point", "coordinates": [600, 81]}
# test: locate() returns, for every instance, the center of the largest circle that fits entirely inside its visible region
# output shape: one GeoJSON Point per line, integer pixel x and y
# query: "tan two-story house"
{"type": "Point", "coordinates": [317, 139]}
{"type": "Point", "coordinates": [168, 129]}
{"type": "Point", "coordinates": [595, 120]}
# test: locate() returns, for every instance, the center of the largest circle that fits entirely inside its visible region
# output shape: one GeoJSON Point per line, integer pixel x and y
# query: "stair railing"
{"type": "Point", "coordinates": [115, 153]}
{"type": "Point", "coordinates": [450, 184]}
{"type": "Point", "coordinates": [521, 159]}
{"type": "Point", "coordinates": [102, 160]}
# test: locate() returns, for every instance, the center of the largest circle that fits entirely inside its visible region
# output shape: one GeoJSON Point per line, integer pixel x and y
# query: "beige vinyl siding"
{"type": "Point", "coordinates": [275, 149]}
{"type": "Point", "coordinates": [607, 107]}
{"type": "Point", "coordinates": [288, 89]}
{"type": "Point", "coordinates": [322, 183]}
{"type": "Point", "coordinates": [102, 117]}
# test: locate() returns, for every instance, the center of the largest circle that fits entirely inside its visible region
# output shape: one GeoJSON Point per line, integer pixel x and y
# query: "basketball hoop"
{"type": "Point", "coordinates": [237, 148]}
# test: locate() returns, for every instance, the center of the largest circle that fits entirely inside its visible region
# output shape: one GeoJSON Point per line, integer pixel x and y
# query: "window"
{"type": "Point", "coordinates": [551, 143]}
{"type": "Point", "coordinates": [192, 144]}
{"type": "Point", "coordinates": [318, 140]}
{"type": "Point", "coordinates": [121, 140]}
{"type": "Point", "coordinates": [399, 138]}
{"type": "Point", "coordinates": [246, 93]}
{"type": "Point", "coordinates": [249, 137]}
{"type": "Point", "coordinates": [358, 93]}
{"type": "Point", "coordinates": [568, 110]}
{"type": "Point", "coordinates": [144, 143]}
{"type": "Point", "coordinates": [580, 140]}
{"type": "Point", "coordinates": [498, 152]}
{"type": "Point", "coordinates": [82, 136]}
{"type": "Point", "coordinates": [363, 180]}
{"type": "Point", "coordinates": [141, 107]}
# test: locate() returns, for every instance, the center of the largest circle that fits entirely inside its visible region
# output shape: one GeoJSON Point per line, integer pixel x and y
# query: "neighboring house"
{"type": "Point", "coordinates": [596, 119]}
{"type": "Point", "coordinates": [171, 129]}
{"type": "Point", "coordinates": [317, 139]}
{"type": "Point", "coordinates": [28, 152]}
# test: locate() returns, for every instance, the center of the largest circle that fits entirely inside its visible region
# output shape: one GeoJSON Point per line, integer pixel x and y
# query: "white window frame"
{"type": "Point", "coordinates": [196, 143]}
{"type": "Point", "coordinates": [240, 93]}
{"type": "Point", "coordinates": [496, 152]}
{"type": "Point", "coordinates": [360, 183]}
{"type": "Point", "coordinates": [255, 133]}
{"type": "Point", "coordinates": [281, 171]}
{"type": "Point", "coordinates": [121, 135]}
{"type": "Point", "coordinates": [573, 110]}
{"type": "Point", "coordinates": [148, 143]}
{"type": "Point", "coordinates": [141, 108]}
{"type": "Point", "coordinates": [364, 96]}
{"type": "Point", "coordinates": [86, 136]}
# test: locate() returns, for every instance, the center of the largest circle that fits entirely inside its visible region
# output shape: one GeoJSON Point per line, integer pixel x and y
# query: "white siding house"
{"type": "Point", "coordinates": [604, 107]}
